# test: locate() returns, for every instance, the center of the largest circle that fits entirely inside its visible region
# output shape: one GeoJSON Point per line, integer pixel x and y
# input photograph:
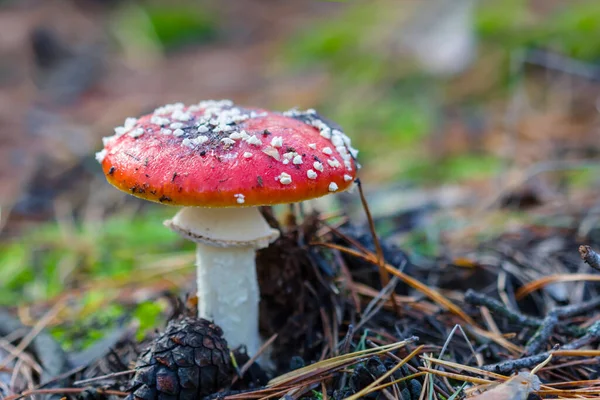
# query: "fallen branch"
{"type": "Point", "coordinates": [479, 299]}
{"type": "Point", "coordinates": [590, 257]}
{"type": "Point", "coordinates": [506, 367]}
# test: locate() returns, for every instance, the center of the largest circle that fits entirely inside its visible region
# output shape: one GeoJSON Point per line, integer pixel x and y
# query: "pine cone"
{"type": "Point", "coordinates": [188, 361]}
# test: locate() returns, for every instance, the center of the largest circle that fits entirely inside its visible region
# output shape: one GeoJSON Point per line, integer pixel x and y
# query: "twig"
{"type": "Point", "coordinates": [31, 335]}
{"type": "Point", "coordinates": [327, 331]}
{"type": "Point", "coordinates": [103, 377]}
{"type": "Point", "coordinates": [414, 370]}
{"type": "Point", "coordinates": [506, 367]}
{"type": "Point", "coordinates": [345, 344]}
{"type": "Point", "coordinates": [403, 379]}
{"type": "Point", "coordinates": [576, 309]}
{"type": "Point", "coordinates": [590, 257]}
{"type": "Point", "coordinates": [261, 350]}
{"type": "Point", "coordinates": [464, 335]}
{"type": "Point", "coordinates": [434, 295]}
{"type": "Point", "coordinates": [62, 376]}
{"type": "Point", "coordinates": [29, 360]}
{"type": "Point", "coordinates": [63, 391]}
{"type": "Point", "coordinates": [544, 281]}
{"type": "Point", "coordinates": [479, 299]}
{"type": "Point", "coordinates": [347, 238]}
{"type": "Point", "coordinates": [348, 281]}
{"type": "Point", "coordinates": [541, 365]}
{"type": "Point", "coordinates": [494, 305]}
{"type": "Point", "coordinates": [377, 381]}
{"type": "Point", "coordinates": [537, 169]}
{"type": "Point", "coordinates": [542, 335]}
{"type": "Point", "coordinates": [381, 295]}
{"type": "Point", "coordinates": [559, 62]}
{"type": "Point", "coordinates": [431, 293]}
{"type": "Point", "coordinates": [592, 335]}
{"type": "Point", "coordinates": [378, 302]}
{"type": "Point", "coordinates": [384, 275]}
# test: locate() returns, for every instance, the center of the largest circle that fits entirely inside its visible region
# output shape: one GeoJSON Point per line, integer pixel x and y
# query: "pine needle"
{"type": "Point", "coordinates": [548, 280]}
{"type": "Point", "coordinates": [370, 387]}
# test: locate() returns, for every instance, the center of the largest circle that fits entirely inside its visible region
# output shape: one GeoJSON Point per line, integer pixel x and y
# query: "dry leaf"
{"type": "Point", "coordinates": [516, 388]}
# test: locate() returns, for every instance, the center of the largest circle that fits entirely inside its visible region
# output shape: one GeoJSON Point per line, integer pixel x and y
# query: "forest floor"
{"type": "Point", "coordinates": [481, 192]}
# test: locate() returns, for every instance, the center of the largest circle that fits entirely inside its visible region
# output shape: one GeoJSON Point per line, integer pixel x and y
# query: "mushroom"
{"type": "Point", "coordinates": [220, 162]}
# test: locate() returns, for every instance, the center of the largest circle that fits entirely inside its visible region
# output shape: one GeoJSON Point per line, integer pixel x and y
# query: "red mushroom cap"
{"type": "Point", "coordinates": [215, 154]}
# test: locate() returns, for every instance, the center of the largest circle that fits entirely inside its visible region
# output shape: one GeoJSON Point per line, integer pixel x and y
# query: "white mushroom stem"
{"type": "Point", "coordinates": [227, 240]}
{"type": "Point", "coordinates": [228, 292]}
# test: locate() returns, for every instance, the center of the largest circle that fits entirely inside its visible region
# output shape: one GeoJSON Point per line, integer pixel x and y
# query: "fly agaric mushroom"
{"type": "Point", "coordinates": [220, 162]}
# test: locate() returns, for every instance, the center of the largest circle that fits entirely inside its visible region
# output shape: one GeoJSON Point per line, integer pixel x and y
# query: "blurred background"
{"type": "Point", "coordinates": [467, 113]}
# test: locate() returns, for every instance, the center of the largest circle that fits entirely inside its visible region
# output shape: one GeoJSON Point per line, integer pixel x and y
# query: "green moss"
{"type": "Point", "coordinates": [505, 22]}
{"type": "Point", "coordinates": [335, 41]}
{"type": "Point", "coordinates": [45, 263]}
{"type": "Point", "coordinates": [98, 318]}
{"type": "Point", "coordinates": [511, 24]}
{"type": "Point", "coordinates": [453, 169]}
{"type": "Point", "coordinates": [42, 263]}
{"type": "Point", "coordinates": [90, 328]}
{"type": "Point", "coordinates": [422, 244]}
{"type": "Point", "coordinates": [145, 28]}
{"type": "Point", "coordinates": [569, 30]}
{"type": "Point", "coordinates": [583, 178]}
{"type": "Point", "coordinates": [176, 26]}
{"type": "Point", "coordinates": [148, 315]}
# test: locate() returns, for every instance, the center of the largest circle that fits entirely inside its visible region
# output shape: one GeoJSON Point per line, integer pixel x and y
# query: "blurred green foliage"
{"type": "Point", "coordinates": [101, 318]}
{"type": "Point", "coordinates": [144, 28]}
{"type": "Point", "coordinates": [391, 104]}
{"type": "Point", "coordinates": [511, 24]}
{"type": "Point", "coordinates": [89, 328]}
{"type": "Point", "coordinates": [454, 169]}
{"type": "Point", "coordinates": [47, 262]}
{"type": "Point", "coordinates": [570, 30]}
{"type": "Point", "coordinates": [148, 314]}
{"type": "Point", "coordinates": [42, 263]}
{"type": "Point", "coordinates": [177, 26]}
